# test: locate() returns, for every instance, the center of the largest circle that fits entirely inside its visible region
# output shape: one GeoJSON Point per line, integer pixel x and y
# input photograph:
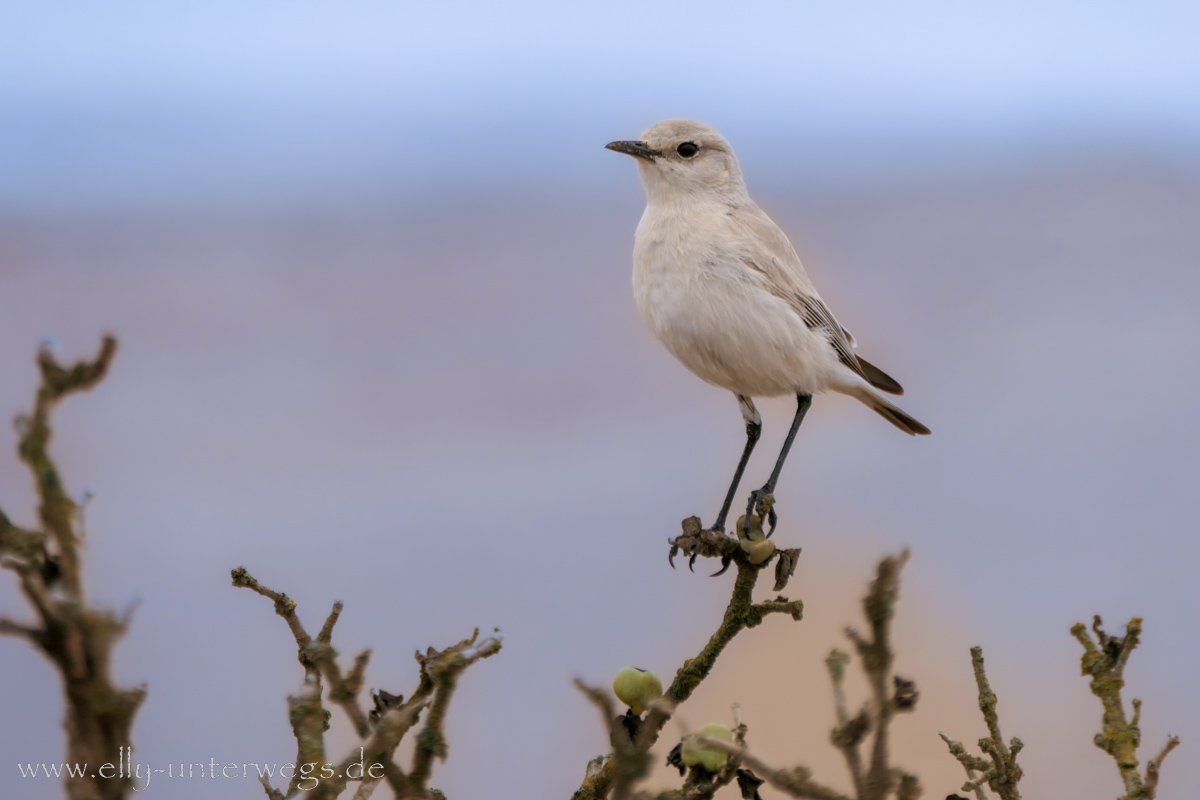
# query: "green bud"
{"type": "Point", "coordinates": [756, 544]}
{"type": "Point", "coordinates": [712, 760]}
{"type": "Point", "coordinates": [637, 688]}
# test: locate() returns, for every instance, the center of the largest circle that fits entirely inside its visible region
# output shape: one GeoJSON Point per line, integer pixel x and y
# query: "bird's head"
{"type": "Point", "coordinates": [681, 159]}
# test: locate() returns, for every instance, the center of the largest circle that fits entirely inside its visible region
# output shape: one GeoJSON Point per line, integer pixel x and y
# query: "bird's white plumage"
{"type": "Point", "coordinates": [722, 287]}
{"type": "Point", "coordinates": [715, 313]}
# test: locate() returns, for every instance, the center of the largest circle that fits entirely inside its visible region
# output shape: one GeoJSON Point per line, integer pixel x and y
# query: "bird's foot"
{"type": "Point", "coordinates": [719, 529]}
{"type": "Point", "coordinates": [698, 541]}
{"type": "Point", "coordinates": [762, 502]}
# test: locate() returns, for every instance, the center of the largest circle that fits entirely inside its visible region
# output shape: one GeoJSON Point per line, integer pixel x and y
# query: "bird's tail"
{"type": "Point", "coordinates": [889, 412]}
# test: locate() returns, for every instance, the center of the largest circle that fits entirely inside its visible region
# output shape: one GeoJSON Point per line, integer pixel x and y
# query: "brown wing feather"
{"type": "Point", "coordinates": [817, 316]}
{"type": "Point", "coordinates": [880, 379]}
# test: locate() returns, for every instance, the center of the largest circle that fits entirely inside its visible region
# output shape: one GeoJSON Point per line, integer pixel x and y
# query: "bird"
{"type": "Point", "coordinates": [720, 285]}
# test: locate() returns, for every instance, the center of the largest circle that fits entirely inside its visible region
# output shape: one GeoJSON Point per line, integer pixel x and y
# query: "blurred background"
{"type": "Point", "coordinates": [369, 267]}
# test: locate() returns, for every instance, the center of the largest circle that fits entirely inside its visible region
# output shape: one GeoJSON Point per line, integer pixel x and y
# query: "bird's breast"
{"type": "Point", "coordinates": [694, 291]}
{"type": "Point", "coordinates": [668, 269]}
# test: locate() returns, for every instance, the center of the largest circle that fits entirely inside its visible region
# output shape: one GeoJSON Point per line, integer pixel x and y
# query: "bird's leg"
{"type": "Point", "coordinates": [753, 431]}
{"type": "Point", "coordinates": [803, 401]}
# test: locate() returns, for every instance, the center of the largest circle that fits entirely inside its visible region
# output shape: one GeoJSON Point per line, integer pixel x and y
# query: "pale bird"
{"type": "Point", "coordinates": [722, 287]}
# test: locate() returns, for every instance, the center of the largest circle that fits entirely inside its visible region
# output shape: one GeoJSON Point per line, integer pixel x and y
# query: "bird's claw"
{"type": "Point", "coordinates": [763, 502]}
{"type": "Point", "coordinates": [698, 541]}
{"type": "Point", "coordinates": [754, 495]}
{"type": "Point", "coordinates": [772, 520]}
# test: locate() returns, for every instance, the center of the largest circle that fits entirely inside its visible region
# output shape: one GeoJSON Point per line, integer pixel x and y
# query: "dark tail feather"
{"type": "Point", "coordinates": [880, 379]}
{"type": "Point", "coordinates": [901, 420]}
{"type": "Point", "coordinates": [889, 412]}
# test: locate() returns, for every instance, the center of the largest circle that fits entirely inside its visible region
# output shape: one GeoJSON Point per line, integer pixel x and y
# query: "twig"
{"type": "Point", "coordinates": [272, 792]}
{"type": "Point", "coordinates": [344, 690]}
{"type": "Point", "coordinates": [307, 715]}
{"type": "Point", "coordinates": [56, 509]}
{"type": "Point", "coordinates": [741, 613]}
{"type": "Point", "coordinates": [77, 638]}
{"type": "Point", "coordinates": [877, 657]}
{"type": "Point", "coordinates": [367, 788]}
{"type": "Point", "coordinates": [440, 671]}
{"type": "Point", "coordinates": [729, 772]}
{"type": "Point", "coordinates": [849, 733]}
{"type": "Point", "coordinates": [626, 764]}
{"type": "Point", "coordinates": [796, 782]}
{"type": "Point", "coordinates": [34, 636]}
{"type": "Point", "coordinates": [1003, 773]}
{"type": "Point", "coordinates": [445, 668]}
{"type": "Point", "coordinates": [284, 605]}
{"type": "Point", "coordinates": [1104, 661]}
{"type": "Point", "coordinates": [1155, 765]}
{"type": "Point", "coordinates": [880, 780]}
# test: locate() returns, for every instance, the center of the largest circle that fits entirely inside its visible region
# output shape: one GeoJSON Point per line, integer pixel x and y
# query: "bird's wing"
{"type": "Point", "coordinates": [818, 317]}
{"type": "Point", "coordinates": [766, 250]}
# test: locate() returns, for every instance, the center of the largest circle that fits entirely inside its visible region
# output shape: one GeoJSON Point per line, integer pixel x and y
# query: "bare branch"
{"type": "Point", "coordinates": [56, 510]}
{"type": "Point", "coordinates": [367, 788]}
{"type": "Point", "coordinates": [729, 772]}
{"type": "Point", "coordinates": [326, 632]}
{"type": "Point", "coordinates": [272, 792]}
{"type": "Point", "coordinates": [849, 733]}
{"type": "Point", "coordinates": [308, 716]}
{"type": "Point", "coordinates": [796, 782]}
{"type": "Point", "coordinates": [284, 605]}
{"type": "Point", "coordinates": [617, 773]}
{"type": "Point", "coordinates": [26, 545]}
{"type": "Point", "coordinates": [1152, 768]}
{"type": "Point", "coordinates": [445, 668]}
{"type": "Point", "coordinates": [628, 762]}
{"type": "Point", "coordinates": [34, 636]}
{"type": "Point", "coordinates": [344, 690]}
{"type": "Point", "coordinates": [879, 780]}
{"type": "Point", "coordinates": [1002, 773]}
{"type": "Point", "coordinates": [378, 749]}
{"type": "Point", "coordinates": [1104, 661]}
{"type": "Point", "coordinates": [741, 613]}
{"type": "Point", "coordinates": [77, 638]}
{"type": "Point", "coordinates": [393, 718]}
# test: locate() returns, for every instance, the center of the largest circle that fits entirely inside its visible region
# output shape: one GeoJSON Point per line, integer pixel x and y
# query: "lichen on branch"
{"type": "Point", "coordinates": [878, 779]}
{"type": "Point", "coordinates": [77, 638]}
{"type": "Point", "coordinates": [1104, 659]}
{"type": "Point", "coordinates": [1002, 773]}
{"type": "Point", "coordinates": [615, 775]}
{"type": "Point", "coordinates": [381, 730]}
{"type": "Point", "coordinates": [741, 613]}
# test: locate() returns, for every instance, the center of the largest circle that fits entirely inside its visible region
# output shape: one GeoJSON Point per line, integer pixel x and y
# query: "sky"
{"type": "Point", "coordinates": [222, 104]}
{"type": "Point", "coordinates": [369, 268]}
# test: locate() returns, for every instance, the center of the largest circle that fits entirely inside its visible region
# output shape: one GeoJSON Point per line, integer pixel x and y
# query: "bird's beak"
{"type": "Point", "coordinates": [638, 149]}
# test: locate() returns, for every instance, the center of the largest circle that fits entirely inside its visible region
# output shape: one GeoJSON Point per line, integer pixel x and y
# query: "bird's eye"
{"type": "Point", "coordinates": [688, 149]}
